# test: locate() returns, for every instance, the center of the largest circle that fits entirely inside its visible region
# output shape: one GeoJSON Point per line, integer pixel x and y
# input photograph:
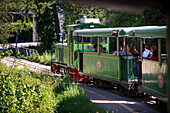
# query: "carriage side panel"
{"type": "Point", "coordinates": [154, 78]}
{"type": "Point", "coordinates": [102, 65]}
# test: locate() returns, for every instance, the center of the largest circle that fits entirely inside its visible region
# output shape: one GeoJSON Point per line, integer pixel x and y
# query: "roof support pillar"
{"type": "Point", "coordinates": [124, 42]}
{"type": "Point", "coordinates": [117, 43]}
{"type": "Point", "coordinates": [168, 61]}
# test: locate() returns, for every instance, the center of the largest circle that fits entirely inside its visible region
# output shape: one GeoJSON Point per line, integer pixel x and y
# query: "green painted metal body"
{"type": "Point", "coordinates": [150, 78]}
{"type": "Point", "coordinates": [67, 53]}
{"type": "Point", "coordinates": [107, 66]}
{"type": "Point", "coordinates": [111, 66]}
{"type": "Point", "coordinates": [61, 54]}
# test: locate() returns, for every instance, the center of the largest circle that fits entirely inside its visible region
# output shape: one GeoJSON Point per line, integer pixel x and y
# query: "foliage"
{"type": "Point", "coordinates": [22, 91]}
{"type": "Point", "coordinates": [45, 24]}
{"type": "Point", "coordinates": [24, 33]}
{"type": "Point", "coordinates": [125, 19]}
{"type": "Point", "coordinates": [72, 12]}
{"type": "Point", "coordinates": [45, 58]}
{"type": "Point", "coordinates": [6, 53]}
{"type": "Point", "coordinates": [74, 100]}
{"type": "Point", "coordinates": [6, 26]}
{"type": "Point", "coordinates": [25, 91]}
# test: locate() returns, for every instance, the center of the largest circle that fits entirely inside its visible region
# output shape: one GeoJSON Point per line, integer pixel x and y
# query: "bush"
{"type": "Point", "coordinates": [25, 91]}
{"type": "Point", "coordinates": [22, 91]}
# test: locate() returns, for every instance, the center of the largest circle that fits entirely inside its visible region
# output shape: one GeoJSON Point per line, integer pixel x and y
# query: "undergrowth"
{"type": "Point", "coordinates": [25, 91]}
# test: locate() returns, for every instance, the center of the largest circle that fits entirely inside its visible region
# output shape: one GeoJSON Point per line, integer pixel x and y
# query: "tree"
{"type": "Point", "coordinates": [46, 18]}
{"type": "Point", "coordinates": [6, 25]}
{"type": "Point", "coordinates": [72, 12]}
{"type": "Point", "coordinates": [147, 18]}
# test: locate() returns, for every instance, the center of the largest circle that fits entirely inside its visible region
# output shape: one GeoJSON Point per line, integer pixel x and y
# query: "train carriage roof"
{"type": "Point", "coordinates": [87, 26]}
{"type": "Point", "coordinates": [102, 32]}
{"type": "Point", "coordinates": [151, 32]}
{"type": "Point", "coordinates": [141, 32]}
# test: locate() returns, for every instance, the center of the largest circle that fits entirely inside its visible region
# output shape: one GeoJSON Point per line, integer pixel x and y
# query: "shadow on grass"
{"type": "Point", "coordinates": [73, 99]}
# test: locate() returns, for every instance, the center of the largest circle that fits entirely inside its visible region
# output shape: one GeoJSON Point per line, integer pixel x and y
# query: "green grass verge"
{"type": "Point", "coordinates": [25, 91]}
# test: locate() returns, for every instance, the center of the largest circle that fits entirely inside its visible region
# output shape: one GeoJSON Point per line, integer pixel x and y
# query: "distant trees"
{"type": "Point", "coordinates": [72, 12]}
{"type": "Point", "coordinates": [7, 27]}
{"type": "Point", "coordinates": [147, 18]}
{"type": "Point", "coordinates": [47, 20]}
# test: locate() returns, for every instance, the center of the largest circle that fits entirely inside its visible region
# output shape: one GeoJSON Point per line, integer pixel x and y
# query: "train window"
{"type": "Point", "coordinates": [103, 40]}
{"type": "Point", "coordinates": [86, 40]}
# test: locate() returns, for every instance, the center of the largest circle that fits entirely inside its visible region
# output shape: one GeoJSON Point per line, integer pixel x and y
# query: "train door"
{"type": "Point", "coordinates": [61, 55]}
{"type": "Point", "coordinates": [80, 53]}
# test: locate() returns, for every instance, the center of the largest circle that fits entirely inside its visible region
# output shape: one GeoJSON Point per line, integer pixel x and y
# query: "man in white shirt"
{"type": "Point", "coordinates": [146, 53]}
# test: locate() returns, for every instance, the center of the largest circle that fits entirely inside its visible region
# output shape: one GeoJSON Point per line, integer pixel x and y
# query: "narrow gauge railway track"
{"type": "Point", "coordinates": [117, 103]}
{"type": "Point", "coordinates": [35, 67]}
{"type": "Point", "coordinates": [146, 99]}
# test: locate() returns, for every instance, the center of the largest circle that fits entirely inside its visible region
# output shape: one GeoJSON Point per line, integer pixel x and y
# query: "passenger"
{"type": "Point", "coordinates": [146, 53]}
{"type": "Point", "coordinates": [104, 50]}
{"type": "Point", "coordinates": [134, 52]}
{"type": "Point", "coordinates": [95, 47]}
{"type": "Point", "coordinates": [153, 48]}
{"type": "Point", "coordinates": [154, 56]}
{"type": "Point", "coordinates": [101, 49]}
{"type": "Point", "coordinates": [123, 52]}
{"type": "Point", "coordinates": [121, 48]}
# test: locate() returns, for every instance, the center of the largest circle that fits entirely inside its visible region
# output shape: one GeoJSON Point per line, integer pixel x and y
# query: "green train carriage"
{"type": "Point", "coordinates": [66, 53]}
{"type": "Point", "coordinates": [119, 69]}
{"type": "Point", "coordinates": [102, 66]}
{"type": "Point", "coordinates": [154, 73]}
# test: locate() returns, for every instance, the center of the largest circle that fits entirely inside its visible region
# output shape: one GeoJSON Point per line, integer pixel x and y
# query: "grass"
{"type": "Point", "coordinates": [46, 58]}
{"type": "Point", "coordinates": [25, 91]}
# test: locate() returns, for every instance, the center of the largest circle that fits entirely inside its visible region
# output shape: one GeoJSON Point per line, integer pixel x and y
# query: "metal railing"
{"type": "Point", "coordinates": [27, 51]}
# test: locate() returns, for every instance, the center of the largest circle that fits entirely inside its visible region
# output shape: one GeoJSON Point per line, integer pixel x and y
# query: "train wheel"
{"type": "Point", "coordinates": [120, 89]}
{"type": "Point", "coordinates": [95, 82]}
{"type": "Point", "coordinates": [100, 83]}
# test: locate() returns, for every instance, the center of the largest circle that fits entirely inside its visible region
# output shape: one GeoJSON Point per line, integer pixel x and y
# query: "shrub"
{"type": "Point", "coordinates": [25, 91]}
{"type": "Point", "coordinates": [22, 91]}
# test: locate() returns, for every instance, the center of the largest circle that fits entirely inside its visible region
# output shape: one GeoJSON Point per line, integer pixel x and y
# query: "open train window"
{"type": "Point", "coordinates": [86, 40]}
{"type": "Point", "coordinates": [103, 40]}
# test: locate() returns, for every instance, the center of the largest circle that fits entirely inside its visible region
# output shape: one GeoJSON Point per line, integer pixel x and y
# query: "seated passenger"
{"type": "Point", "coordinates": [134, 51]}
{"type": "Point", "coordinates": [146, 53]}
{"type": "Point", "coordinates": [154, 56]}
{"type": "Point", "coordinates": [123, 52]}
{"type": "Point", "coordinates": [101, 49]}
{"type": "Point", "coordinates": [153, 48]}
{"type": "Point", "coordinates": [104, 50]}
{"type": "Point", "coordinates": [121, 48]}
{"type": "Point", "coordinates": [95, 47]}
